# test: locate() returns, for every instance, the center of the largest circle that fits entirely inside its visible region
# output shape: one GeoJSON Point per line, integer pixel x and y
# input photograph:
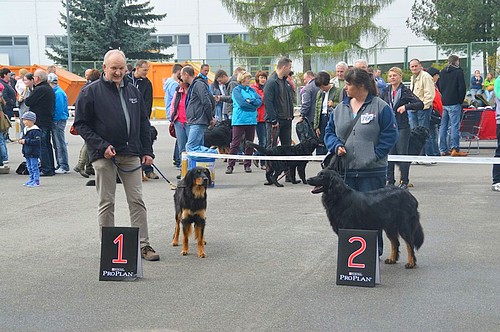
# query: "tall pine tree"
{"type": "Point", "coordinates": [99, 25]}
{"type": "Point", "coordinates": [304, 27]}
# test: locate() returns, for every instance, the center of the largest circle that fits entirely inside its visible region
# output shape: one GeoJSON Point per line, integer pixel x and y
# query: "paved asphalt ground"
{"type": "Point", "coordinates": [271, 258]}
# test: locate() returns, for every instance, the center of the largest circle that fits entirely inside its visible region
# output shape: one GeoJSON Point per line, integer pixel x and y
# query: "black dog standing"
{"type": "Point", "coordinates": [190, 206]}
{"type": "Point", "coordinates": [392, 209]}
{"type": "Point", "coordinates": [276, 167]}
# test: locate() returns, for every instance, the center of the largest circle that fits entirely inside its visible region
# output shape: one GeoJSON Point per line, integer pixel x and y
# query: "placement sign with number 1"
{"type": "Point", "coordinates": [120, 254]}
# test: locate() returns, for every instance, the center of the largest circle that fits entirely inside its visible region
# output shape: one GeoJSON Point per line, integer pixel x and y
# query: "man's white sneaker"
{"type": "Point", "coordinates": [61, 171]}
{"type": "Point", "coordinates": [496, 187]}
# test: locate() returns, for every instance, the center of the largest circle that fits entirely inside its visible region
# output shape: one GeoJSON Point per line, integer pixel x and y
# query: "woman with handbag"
{"type": "Point", "coordinates": [401, 99]}
{"type": "Point", "coordinates": [365, 141]}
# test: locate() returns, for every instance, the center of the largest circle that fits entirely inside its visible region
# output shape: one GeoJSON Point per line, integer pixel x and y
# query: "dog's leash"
{"type": "Point", "coordinates": [172, 186]}
{"type": "Point", "coordinates": [113, 159]}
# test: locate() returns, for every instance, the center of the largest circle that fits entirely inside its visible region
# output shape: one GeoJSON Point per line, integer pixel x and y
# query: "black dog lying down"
{"type": "Point", "coordinates": [219, 135]}
{"type": "Point", "coordinates": [276, 167]}
{"type": "Point", "coordinates": [190, 205]}
{"type": "Point", "coordinates": [392, 209]}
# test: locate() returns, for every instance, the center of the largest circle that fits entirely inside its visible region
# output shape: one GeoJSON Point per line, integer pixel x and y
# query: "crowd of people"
{"type": "Point", "coordinates": [357, 114]}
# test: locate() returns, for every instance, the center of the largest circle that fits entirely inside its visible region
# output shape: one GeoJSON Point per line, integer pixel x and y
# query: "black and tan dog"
{"type": "Point", "coordinates": [392, 209]}
{"type": "Point", "coordinates": [190, 206]}
{"type": "Point", "coordinates": [219, 135]}
{"type": "Point", "coordinates": [276, 167]}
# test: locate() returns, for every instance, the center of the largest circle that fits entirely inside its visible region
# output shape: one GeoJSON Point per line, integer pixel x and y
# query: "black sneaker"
{"type": "Point", "coordinates": [229, 170]}
{"type": "Point", "coordinates": [149, 254]}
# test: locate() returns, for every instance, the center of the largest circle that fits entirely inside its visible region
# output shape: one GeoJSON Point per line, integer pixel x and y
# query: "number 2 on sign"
{"type": "Point", "coordinates": [119, 260]}
{"type": "Point", "coordinates": [357, 252]}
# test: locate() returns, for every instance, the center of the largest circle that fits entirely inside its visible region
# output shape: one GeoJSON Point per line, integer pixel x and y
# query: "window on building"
{"type": "Point", "coordinates": [166, 39]}
{"type": "Point", "coordinates": [54, 40]}
{"type": "Point", "coordinates": [214, 39]}
{"type": "Point", "coordinates": [6, 41]}
{"type": "Point", "coordinates": [229, 37]}
{"type": "Point", "coordinates": [20, 40]}
{"type": "Point", "coordinates": [183, 39]}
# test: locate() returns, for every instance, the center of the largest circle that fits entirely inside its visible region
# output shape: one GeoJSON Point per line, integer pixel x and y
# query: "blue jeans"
{"type": "Point", "coordinates": [422, 118]}
{"type": "Point", "coordinates": [181, 133]}
{"type": "Point", "coordinates": [262, 137]}
{"type": "Point", "coordinates": [196, 138]}
{"type": "Point", "coordinates": [450, 121]}
{"type": "Point", "coordinates": [60, 147]}
{"type": "Point", "coordinates": [33, 170]}
{"type": "Point", "coordinates": [46, 153]}
{"type": "Point", "coordinates": [434, 134]}
{"type": "Point", "coordinates": [4, 156]}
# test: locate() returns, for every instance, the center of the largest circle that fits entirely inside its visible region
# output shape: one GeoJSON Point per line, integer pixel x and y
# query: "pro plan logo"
{"type": "Point", "coordinates": [133, 100]}
{"type": "Point", "coordinates": [355, 276]}
{"type": "Point", "coordinates": [118, 272]}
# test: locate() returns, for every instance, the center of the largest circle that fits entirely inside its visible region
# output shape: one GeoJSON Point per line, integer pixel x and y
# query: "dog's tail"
{"type": "Point", "coordinates": [418, 233]}
{"type": "Point", "coordinates": [257, 147]}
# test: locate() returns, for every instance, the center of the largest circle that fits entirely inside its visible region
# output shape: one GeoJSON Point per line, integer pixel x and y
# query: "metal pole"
{"type": "Point", "coordinates": [68, 32]}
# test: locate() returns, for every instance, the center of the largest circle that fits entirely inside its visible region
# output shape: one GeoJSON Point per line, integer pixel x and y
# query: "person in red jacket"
{"type": "Point", "coordinates": [437, 104]}
{"type": "Point", "coordinates": [260, 81]}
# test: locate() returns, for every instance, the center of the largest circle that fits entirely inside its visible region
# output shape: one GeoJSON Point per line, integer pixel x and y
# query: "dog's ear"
{"type": "Point", "coordinates": [189, 178]}
{"type": "Point", "coordinates": [209, 176]}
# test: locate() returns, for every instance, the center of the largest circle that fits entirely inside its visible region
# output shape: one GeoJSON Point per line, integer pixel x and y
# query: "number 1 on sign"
{"type": "Point", "coordinates": [119, 260]}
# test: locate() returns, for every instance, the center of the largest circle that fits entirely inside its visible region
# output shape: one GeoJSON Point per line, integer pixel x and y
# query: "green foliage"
{"type": "Point", "coordinates": [457, 22]}
{"type": "Point", "coordinates": [300, 27]}
{"type": "Point", "coordinates": [99, 25]}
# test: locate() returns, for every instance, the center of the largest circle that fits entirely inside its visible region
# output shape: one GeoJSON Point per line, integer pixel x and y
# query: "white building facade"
{"type": "Point", "coordinates": [199, 30]}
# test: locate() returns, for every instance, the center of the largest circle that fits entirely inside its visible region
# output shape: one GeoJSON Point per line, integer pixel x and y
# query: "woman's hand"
{"type": "Point", "coordinates": [401, 109]}
{"type": "Point", "coordinates": [341, 151]}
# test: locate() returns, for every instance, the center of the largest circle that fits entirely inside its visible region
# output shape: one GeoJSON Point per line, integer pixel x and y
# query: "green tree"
{"type": "Point", "coordinates": [304, 27]}
{"type": "Point", "coordinates": [458, 21]}
{"type": "Point", "coordinates": [99, 25]}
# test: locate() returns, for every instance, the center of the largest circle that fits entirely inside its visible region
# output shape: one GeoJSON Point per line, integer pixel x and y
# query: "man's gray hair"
{"type": "Point", "coordinates": [139, 63]}
{"type": "Point", "coordinates": [41, 74]}
{"type": "Point", "coordinates": [342, 64]}
{"type": "Point", "coordinates": [361, 61]}
{"type": "Point", "coordinates": [111, 52]}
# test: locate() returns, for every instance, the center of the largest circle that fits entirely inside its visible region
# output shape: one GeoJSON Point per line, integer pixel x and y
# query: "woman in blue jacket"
{"type": "Point", "coordinates": [245, 103]}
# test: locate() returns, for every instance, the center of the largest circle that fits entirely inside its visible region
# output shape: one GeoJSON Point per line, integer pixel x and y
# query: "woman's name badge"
{"type": "Point", "coordinates": [366, 118]}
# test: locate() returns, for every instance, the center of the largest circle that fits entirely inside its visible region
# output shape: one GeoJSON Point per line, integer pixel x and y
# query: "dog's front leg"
{"type": "Point", "coordinates": [199, 230]}
{"type": "Point", "coordinates": [175, 240]}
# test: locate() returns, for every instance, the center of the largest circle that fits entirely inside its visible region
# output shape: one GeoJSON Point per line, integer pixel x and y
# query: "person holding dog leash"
{"type": "Point", "coordinates": [112, 118]}
{"type": "Point", "coordinates": [368, 143]}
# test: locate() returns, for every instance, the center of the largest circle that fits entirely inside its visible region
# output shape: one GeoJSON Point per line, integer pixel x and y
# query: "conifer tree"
{"type": "Point", "coordinates": [97, 26]}
{"type": "Point", "coordinates": [304, 27]}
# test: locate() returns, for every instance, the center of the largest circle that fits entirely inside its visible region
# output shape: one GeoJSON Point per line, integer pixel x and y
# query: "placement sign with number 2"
{"type": "Point", "coordinates": [120, 254]}
{"type": "Point", "coordinates": [358, 258]}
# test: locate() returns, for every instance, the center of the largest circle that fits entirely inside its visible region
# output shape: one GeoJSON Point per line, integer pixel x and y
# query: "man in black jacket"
{"type": "Point", "coordinates": [112, 118]}
{"type": "Point", "coordinates": [41, 102]}
{"type": "Point", "coordinates": [138, 78]}
{"type": "Point", "coordinates": [451, 84]}
{"type": "Point", "coordinates": [278, 99]}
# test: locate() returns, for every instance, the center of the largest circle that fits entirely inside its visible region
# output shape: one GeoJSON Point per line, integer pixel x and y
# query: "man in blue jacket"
{"type": "Point", "coordinates": [61, 115]}
{"type": "Point", "coordinates": [112, 118]}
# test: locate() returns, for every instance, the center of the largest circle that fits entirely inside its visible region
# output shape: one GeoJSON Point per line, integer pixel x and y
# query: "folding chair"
{"type": "Point", "coordinates": [470, 126]}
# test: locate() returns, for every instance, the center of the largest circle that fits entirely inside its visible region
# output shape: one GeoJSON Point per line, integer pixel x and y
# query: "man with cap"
{"type": "Point", "coordinates": [41, 102]}
{"type": "Point", "coordinates": [60, 115]}
{"type": "Point", "coordinates": [31, 142]}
